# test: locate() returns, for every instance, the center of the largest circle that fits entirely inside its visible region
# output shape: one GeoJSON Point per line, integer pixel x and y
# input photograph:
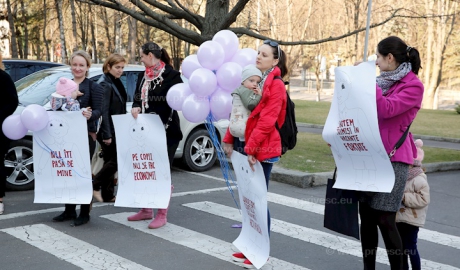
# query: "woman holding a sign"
{"type": "Point", "coordinates": [91, 105]}
{"type": "Point", "coordinates": [150, 97]}
{"type": "Point", "coordinates": [262, 139]}
{"type": "Point", "coordinates": [399, 97]}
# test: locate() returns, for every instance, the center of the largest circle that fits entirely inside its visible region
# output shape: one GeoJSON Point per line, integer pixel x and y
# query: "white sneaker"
{"type": "Point", "coordinates": [2, 208]}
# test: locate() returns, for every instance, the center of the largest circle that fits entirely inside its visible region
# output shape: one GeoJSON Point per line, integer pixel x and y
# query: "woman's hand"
{"type": "Point", "coordinates": [252, 160]}
{"type": "Point", "coordinates": [108, 141]}
{"type": "Point", "coordinates": [135, 112]}
{"type": "Point", "coordinates": [228, 149]}
{"type": "Point", "coordinates": [87, 112]}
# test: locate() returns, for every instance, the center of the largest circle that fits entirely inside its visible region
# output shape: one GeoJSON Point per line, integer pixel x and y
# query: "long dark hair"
{"type": "Point", "coordinates": [157, 51]}
{"type": "Point", "coordinates": [401, 52]}
{"type": "Point", "coordinates": [281, 62]}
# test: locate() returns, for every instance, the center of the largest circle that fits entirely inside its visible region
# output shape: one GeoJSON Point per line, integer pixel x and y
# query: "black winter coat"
{"type": "Point", "coordinates": [92, 97]}
{"type": "Point", "coordinates": [9, 101]}
{"type": "Point", "coordinates": [157, 102]}
{"type": "Point", "coordinates": [114, 102]}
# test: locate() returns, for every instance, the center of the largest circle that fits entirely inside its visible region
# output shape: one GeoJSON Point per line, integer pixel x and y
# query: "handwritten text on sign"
{"type": "Point", "coordinates": [144, 167]}
{"type": "Point", "coordinates": [348, 133]}
{"type": "Point", "coordinates": [250, 208]}
{"type": "Point", "coordinates": [58, 162]}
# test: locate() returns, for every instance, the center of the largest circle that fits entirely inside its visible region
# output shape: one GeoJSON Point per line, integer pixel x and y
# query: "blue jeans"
{"type": "Point", "coordinates": [267, 167]}
{"type": "Point", "coordinates": [409, 234]}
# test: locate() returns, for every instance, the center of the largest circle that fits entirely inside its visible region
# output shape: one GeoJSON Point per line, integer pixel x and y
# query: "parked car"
{"type": "Point", "coordinates": [20, 68]}
{"type": "Point", "coordinates": [196, 149]}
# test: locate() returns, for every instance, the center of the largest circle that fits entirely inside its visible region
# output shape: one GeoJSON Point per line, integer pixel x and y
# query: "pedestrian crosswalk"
{"type": "Point", "coordinates": [75, 251]}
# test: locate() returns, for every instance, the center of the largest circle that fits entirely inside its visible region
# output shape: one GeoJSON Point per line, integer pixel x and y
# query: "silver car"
{"type": "Point", "coordinates": [196, 148]}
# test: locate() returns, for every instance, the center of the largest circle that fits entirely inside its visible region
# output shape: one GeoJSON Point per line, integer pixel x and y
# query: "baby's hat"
{"type": "Point", "coordinates": [65, 87]}
{"type": "Point", "coordinates": [420, 153]}
{"type": "Point", "coordinates": [250, 70]}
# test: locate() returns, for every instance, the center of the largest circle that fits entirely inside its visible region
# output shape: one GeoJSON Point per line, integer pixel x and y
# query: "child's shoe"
{"type": "Point", "coordinates": [238, 257]}
{"type": "Point", "coordinates": [145, 213]}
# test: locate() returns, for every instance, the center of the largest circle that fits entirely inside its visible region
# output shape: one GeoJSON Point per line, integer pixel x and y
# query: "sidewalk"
{"type": "Point", "coordinates": [306, 180]}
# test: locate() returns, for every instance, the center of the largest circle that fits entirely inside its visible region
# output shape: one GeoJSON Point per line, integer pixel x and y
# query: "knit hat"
{"type": "Point", "coordinates": [420, 153]}
{"type": "Point", "coordinates": [250, 70]}
{"type": "Point", "coordinates": [65, 87]}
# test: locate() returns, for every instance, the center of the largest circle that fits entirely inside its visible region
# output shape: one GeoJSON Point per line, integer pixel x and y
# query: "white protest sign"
{"type": "Point", "coordinates": [62, 162]}
{"type": "Point", "coordinates": [143, 165]}
{"type": "Point", "coordinates": [253, 241]}
{"type": "Point", "coordinates": [352, 130]}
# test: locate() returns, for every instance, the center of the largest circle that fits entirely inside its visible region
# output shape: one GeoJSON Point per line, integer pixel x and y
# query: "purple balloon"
{"type": "Point", "coordinates": [203, 82]}
{"type": "Point", "coordinates": [229, 76]}
{"type": "Point", "coordinates": [245, 57]}
{"type": "Point", "coordinates": [177, 94]}
{"type": "Point", "coordinates": [13, 128]}
{"type": "Point", "coordinates": [229, 42]}
{"type": "Point", "coordinates": [195, 109]}
{"type": "Point", "coordinates": [221, 104]}
{"type": "Point", "coordinates": [211, 55]}
{"type": "Point", "coordinates": [189, 65]}
{"type": "Point", "coordinates": [34, 117]}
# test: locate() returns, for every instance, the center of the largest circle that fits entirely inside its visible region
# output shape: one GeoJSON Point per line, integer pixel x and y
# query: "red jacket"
{"type": "Point", "coordinates": [262, 138]}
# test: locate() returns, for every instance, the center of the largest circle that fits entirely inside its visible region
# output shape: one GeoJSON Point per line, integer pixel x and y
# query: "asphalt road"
{"type": "Point", "coordinates": [195, 238]}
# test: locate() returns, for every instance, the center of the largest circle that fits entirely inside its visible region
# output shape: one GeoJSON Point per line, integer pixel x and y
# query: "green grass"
{"type": "Point", "coordinates": [440, 123]}
{"type": "Point", "coordinates": [311, 154]}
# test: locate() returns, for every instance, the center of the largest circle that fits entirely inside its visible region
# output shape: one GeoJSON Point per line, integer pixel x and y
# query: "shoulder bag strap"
{"type": "Point", "coordinates": [400, 142]}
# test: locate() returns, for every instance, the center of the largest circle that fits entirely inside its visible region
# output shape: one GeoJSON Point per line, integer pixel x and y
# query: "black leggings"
{"type": "Point", "coordinates": [371, 219]}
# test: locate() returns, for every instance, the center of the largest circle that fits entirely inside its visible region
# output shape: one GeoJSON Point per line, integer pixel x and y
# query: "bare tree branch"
{"type": "Point", "coordinates": [198, 18]}
{"type": "Point", "coordinates": [233, 14]}
{"type": "Point", "coordinates": [182, 13]}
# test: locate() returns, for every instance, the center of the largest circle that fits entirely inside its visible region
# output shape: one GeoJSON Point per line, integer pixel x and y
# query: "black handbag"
{"type": "Point", "coordinates": [341, 210]}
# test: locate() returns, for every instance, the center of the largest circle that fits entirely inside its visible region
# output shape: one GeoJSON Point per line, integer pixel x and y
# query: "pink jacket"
{"type": "Point", "coordinates": [395, 111]}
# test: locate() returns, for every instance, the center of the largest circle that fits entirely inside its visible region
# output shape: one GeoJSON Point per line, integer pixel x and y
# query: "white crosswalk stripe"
{"type": "Point", "coordinates": [71, 249]}
{"type": "Point", "coordinates": [195, 240]}
{"type": "Point", "coordinates": [327, 240]}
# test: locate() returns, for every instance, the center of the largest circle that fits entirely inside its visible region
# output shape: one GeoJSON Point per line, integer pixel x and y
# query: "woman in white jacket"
{"type": "Point", "coordinates": [413, 210]}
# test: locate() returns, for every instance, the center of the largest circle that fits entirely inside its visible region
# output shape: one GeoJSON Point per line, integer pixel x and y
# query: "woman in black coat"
{"type": "Point", "coordinates": [8, 104]}
{"type": "Point", "coordinates": [91, 101]}
{"type": "Point", "coordinates": [114, 103]}
{"type": "Point", "coordinates": [150, 97]}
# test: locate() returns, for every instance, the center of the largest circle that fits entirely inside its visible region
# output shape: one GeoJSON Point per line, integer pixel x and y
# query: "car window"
{"type": "Point", "coordinates": [131, 81]}
{"type": "Point", "coordinates": [38, 87]}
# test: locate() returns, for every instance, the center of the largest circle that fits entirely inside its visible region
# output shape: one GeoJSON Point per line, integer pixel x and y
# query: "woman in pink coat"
{"type": "Point", "coordinates": [399, 96]}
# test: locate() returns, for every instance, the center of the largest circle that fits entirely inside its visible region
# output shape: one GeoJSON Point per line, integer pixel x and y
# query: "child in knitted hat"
{"type": "Point", "coordinates": [412, 214]}
{"type": "Point", "coordinates": [245, 99]}
{"type": "Point", "coordinates": [65, 97]}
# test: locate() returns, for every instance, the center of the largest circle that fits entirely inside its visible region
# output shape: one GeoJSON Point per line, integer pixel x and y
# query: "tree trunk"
{"type": "Point", "coordinates": [93, 34]}
{"type": "Point", "coordinates": [132, 40]}
{"type": "Point", "coordinates": [74, 26]}
{"type": "Point", "coordinates": [61, 31]}
{"type": "Point", "coordinates": [117, 31]}
{"type": "Point", "coordinates": [26, 31]}
{"type": "Point", "coordinates": [14, 44]}
{"type": "Point", "coordinates": [105, 19]}
{"type": "Point", "coordinates": [47, 46]}
{"type": "Point", "coordinates": [215, 11]}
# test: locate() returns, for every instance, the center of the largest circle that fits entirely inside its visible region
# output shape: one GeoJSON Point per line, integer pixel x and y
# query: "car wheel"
{"type": "Point", "coordinates": [19, 166]}
{"type": "Point", "coordinates": [199, 151]}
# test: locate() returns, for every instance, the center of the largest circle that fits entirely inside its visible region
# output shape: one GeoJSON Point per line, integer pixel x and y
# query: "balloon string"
{"type": "Point", "coordinates": [49, 150]}
{"type": "Point", "coordinates": [224, 166]}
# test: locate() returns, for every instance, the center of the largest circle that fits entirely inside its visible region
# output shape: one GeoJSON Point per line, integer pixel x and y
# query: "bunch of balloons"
{"type": "Point", "coordinates": [213, 73]}
{"type": "Point", "coordinates": [34, 117]}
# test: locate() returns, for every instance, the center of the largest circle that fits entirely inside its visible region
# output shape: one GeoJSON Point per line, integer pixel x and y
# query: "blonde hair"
{"type": "Point", "coordinates": [112, 60]}
{"type": "Point", "coordinates": [2, 67]}
{"type": "Point", "coordinates": [83, 54]}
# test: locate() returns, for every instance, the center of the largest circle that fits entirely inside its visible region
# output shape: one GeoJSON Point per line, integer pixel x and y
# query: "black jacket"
{"type": "Point", "coordinates": [9, 101]}
{"type": "Point", "coordinates": [92, 97]}
{"type": "Point", "coordinates": [157, 102]}
{"type": "Point", "coordinates": [114, 103]}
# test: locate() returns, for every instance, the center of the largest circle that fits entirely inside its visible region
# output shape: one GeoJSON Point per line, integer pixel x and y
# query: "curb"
{"type": "Point", "coordinates": [308, 180]}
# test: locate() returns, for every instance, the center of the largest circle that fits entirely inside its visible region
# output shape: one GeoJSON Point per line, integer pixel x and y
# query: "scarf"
{"type": "Point", "coordinates": [152, 74]}
{"type": "Point", "coordinates": [264, 77]}
{"type": "Point", "coordinates": [413, 172]}
{"type": "Point", "coordinates": [388, 78]}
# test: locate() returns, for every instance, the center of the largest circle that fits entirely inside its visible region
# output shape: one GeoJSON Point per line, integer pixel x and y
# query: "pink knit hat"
{"type": "Point", "coordinates": [65, 87]}
{"type": "Point", "coordinates": [420, 153]}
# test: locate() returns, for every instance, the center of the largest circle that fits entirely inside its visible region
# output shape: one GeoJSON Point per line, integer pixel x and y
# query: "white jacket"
{"type": "Point", "coordinates": [415, 199]}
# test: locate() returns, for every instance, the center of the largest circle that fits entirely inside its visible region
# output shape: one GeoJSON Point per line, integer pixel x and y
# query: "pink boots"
{"type": "Point", "coordinates": [145, 213]}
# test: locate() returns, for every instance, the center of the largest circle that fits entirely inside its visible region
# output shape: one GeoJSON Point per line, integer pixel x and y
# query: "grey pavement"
{"type": "Point", "coordinates": [306, 180]}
